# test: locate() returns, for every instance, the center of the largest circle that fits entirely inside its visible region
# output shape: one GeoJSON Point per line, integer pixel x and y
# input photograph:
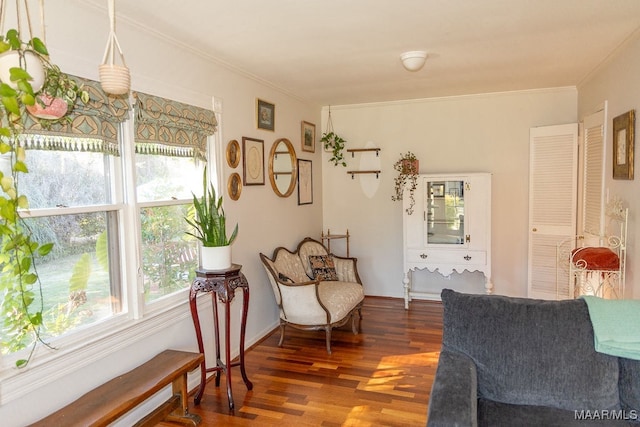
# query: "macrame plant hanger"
{"type": "Point", "coordinates": [329, 128]}
{"type": "Point", "coordinates": [115, 79]}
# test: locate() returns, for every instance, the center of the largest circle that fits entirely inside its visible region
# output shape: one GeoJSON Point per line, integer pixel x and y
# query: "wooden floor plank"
{"type": "Point", "coordinates": [381, 377]}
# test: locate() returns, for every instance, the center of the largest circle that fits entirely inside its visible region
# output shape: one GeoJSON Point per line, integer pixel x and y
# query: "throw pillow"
{"type": "Point", "coordinates": [323, 267]}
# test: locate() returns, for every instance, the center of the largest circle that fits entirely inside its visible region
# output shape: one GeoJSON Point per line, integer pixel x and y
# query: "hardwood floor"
{"type": "Point", "coordinates": [381, 377]}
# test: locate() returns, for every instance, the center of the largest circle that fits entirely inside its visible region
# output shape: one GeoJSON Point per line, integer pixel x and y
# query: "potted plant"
{"type": "Point", "coordinates": [55, 92]}
{"type": "Point", "coordinates": [408, 169]}
{"type": "Point", "coordinates": [208, 220]}
{"type": "Point", "coordinates": [335, 144]}
{"type": "Point", "coordinates": [27, 56]}
{"type": "Point", "coordinates": [58, 95]}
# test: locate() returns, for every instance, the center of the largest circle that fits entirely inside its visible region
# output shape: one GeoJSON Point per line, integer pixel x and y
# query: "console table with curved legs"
{"type": "Point", "coordinates": [222, 283]}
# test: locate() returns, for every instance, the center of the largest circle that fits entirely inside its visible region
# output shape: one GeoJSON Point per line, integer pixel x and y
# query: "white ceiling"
{"type": "Point", "coordinates": [331, 52]}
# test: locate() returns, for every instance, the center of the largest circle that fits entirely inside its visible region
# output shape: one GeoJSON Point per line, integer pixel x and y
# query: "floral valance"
{"type": "Point", "coordinates": [89, 127]}
{"type": "Point", "coordinates": [171, 128]}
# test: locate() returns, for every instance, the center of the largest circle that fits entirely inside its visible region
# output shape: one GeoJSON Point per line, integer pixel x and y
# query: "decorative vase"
{"type": "Point", "coordinates": [32, 65]}
{"type": "Point", "coordinates": [53, 108]}
{"type": "Point", "coordinates": [215, 257]}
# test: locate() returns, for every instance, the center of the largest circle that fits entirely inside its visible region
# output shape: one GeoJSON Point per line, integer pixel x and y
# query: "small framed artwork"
{"type": "Point", "coordinates": [265, 115]}
{"type": "Point", "coordinates": [233, 153]}
{"type": "Point", "coordinates": [623, 142]}
{"type": "Point", "coordinates": [253, 161]}
{"type": "Point", "coordinates": [305, 182]}
{"type": "Point", "coordinates": [308, 137]}
{"type": "Point", "coordinates": [234, 186]}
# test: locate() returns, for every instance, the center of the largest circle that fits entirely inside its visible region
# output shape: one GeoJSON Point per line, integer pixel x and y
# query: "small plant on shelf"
{"type": "Point", "coordinates": [408, 169]}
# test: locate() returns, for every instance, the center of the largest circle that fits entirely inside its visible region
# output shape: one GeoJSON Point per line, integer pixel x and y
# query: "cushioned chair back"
{"type": "Point", "coordinates": [289, 265]}
{"type": "Point", "coordinates": [270, 269]}
{"type": "Point", "coordinates": [531, 352]}
{"type": "Point", "coordinates": [310, 247]}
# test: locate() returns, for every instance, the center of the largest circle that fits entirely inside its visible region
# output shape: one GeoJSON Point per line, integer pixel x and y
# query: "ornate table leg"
{"type": "Point", "coordinates": [193, 305]}
{"type": "Point", "coordinates": [243, 327]}
{"type": "Point", "coordinates": [216, 335]}
{"type": "Point", "coordinates": [227, 338]}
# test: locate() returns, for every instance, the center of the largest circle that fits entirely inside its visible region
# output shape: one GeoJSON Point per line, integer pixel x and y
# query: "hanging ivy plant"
{"type": "Point", "coordinates": [20, 285]}
{"type": "Point", "coordinates": [334, 143]}
{"type": "Point", "coordinates": [408, 169]}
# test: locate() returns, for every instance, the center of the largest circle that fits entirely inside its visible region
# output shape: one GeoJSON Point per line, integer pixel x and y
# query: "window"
{"type": "Point", "coordinates": [80, 199]}
{"type": "Point", "coordinates": [171, 145]}
{"type": "Point", "coordinates": [169, 255]}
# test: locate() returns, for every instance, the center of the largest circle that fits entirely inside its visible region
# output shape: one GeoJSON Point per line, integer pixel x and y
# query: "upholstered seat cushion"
{"type": "Point", "coordinates": [339, 298]}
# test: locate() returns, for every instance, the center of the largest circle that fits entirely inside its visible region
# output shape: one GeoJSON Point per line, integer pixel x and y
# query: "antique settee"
{"type": "Point", "coordinates": [525, 362]}
{"type": "Point", "coordinates": [315, 290]}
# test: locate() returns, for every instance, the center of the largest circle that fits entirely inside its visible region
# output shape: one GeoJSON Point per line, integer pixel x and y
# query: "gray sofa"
{"type": "Point", "coordinates": [524, 362]}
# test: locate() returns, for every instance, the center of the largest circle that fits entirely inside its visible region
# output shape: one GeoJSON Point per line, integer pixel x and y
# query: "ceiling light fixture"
{"type": "Point", "coordinates": [413, 60]}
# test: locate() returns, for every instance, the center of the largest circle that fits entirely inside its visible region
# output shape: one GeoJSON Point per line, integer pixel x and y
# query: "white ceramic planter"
{"type": "Point", "coordinates": [33, 66]}
{"type": "Point", "coordinates": [215, 258]}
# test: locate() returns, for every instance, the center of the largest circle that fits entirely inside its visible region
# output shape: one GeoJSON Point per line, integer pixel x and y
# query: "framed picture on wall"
{"type": "Point", "coordinates": [305, 182]}
{"type": "Point", "coordinates": [623, 142]}
{"type": "Point", "coordinates": [308, 137]}
{"type": "Point", "coordinates": [233, 153]}
{"type": "Point", "coordinates": [265, 115]}
{"type": "Point", "coordinates": [234, 186]}
{"type": "Point", "coordinates": [253, 161]}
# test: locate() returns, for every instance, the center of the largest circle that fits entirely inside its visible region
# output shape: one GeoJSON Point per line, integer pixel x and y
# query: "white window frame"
{"type": "Point", "coordinates": [86, 345]}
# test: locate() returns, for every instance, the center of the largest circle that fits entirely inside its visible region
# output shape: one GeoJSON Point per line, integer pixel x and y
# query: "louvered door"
{"type": "Point", "coordinates": [553, 163]}
{"type": "Point", "coordinates": [592, 215]}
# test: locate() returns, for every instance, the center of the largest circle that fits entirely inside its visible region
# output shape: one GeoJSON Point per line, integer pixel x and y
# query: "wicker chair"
{"type": "Point", "coordinates": [315, 290]}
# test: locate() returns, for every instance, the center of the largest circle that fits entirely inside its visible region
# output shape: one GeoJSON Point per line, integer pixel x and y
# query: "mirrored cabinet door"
{"type": "Point", "coordinates": [444, 212]}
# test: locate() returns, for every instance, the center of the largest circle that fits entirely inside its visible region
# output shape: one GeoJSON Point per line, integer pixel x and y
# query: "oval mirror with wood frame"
{"type": "Point", "coordinates": [283, 167]}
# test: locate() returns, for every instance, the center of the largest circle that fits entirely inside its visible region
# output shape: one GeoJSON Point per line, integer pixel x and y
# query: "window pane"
{"type": "Point", "coordinates": [169, 255]}
{"type": "Point", "coordinates": [166, 177]}
{"type": "Point", "coordinates": [65, 178]}
{"type": "Point", "coordinates": [78, 287]}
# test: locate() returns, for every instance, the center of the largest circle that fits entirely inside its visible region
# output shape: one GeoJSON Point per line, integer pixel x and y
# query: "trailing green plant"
{"type": "Point", "coordinates": [20, 284]}
{"type": "Point", "coordinates": [208, 219]}
{"type": "Point", "coordinates": [407, 179]}
{"type": "Point", "coordinates": [335, 143]}
{"type": "Point", "coordinates": [59, 85]}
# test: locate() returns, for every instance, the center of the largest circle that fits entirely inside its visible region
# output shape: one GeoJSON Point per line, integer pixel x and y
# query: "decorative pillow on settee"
{"type": "Point", "coordinates": [323, 267]}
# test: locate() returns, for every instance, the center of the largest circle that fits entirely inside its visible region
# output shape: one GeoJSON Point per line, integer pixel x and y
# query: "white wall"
{"type": "Point", "coordinates": [76, 37]}
{"type": "Point", "coordinates": [480, 133]}
{"type": "Point", "coordinates": [617, 82]}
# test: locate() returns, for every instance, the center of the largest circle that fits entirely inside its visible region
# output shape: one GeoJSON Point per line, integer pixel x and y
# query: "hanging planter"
{"type": "Point", "coordinates": [114, 79]}
{"type": "Point", "coordinates": [58, 95]}
{"type": "Point", "coordinates": [333, 143]}
{"type": "Point", "coordinates": [24, 59]}
{"type": "Point", "coordinates": [408, 168]}
{"type": "Point", "coordinates": [48, 108]}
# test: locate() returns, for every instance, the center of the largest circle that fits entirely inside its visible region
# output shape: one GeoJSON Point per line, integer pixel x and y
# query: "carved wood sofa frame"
{"type": "Point", "coordinates": [309, 304]}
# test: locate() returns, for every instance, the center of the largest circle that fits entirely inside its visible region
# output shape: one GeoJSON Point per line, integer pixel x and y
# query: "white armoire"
{"type": "Point", "coordinates": [448, 229]}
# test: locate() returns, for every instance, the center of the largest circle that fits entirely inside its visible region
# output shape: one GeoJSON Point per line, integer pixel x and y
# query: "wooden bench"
{"type": "Point", "coordinates": [108, 402]}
